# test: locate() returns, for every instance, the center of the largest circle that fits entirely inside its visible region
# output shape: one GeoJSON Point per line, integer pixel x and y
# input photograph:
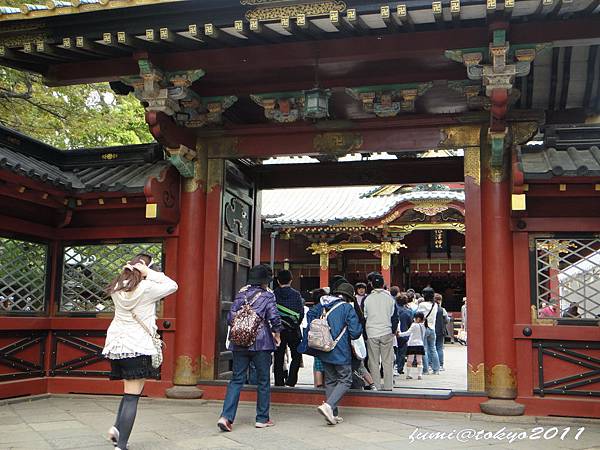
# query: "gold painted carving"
{"type": "Point", "coordinates": [460, 136]}
{"type": "Point", "coordinates": [386, 248]}
{"type": "Point", "coordinates": [476, 378]}
{"type": "Point", "coordinates": [186, 372]}
{"type": "Point", "coordinates": [501, 382]}
{"type": "Point", "coordinates": [215, 174]}
{"type": "Point", "coordinates": [522, 132]}
{"type": "Point", "coordinates": [535, 318]}
{"type": "Point", "coordinates": [473, 164]}
{"type": "Point", "coordinates": [322, 8]}
{"type": "Point", "coordinates": [410, 227]}
{"type": "Point", "coordinates": [430, 207]}
{"type": "Point", "coordinates": [337, 143]}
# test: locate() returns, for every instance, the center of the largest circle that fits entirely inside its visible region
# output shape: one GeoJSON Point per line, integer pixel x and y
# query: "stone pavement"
{"type": "Point", "coordinates": [80, 422]}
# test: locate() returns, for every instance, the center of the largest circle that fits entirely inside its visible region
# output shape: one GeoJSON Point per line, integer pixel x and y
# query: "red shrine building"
{"type": "Point", "coordinates": [508, 92]}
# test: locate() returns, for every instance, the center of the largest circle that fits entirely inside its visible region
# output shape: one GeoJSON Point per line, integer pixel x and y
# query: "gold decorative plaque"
{"type": "Point", "coordinates": [266, 13]}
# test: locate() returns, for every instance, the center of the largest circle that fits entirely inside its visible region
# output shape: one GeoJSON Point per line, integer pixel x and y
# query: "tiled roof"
{"type": "Point", "coordinates": [110, 169]}
{"type": "Point", "coordinates": [543, 163]}
{"type": "Point", "coordinates": [122, 178]}
{"type": "Point", "coordinates": [332, 205]}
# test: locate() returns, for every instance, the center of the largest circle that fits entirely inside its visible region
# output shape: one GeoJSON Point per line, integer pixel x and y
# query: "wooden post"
{"type": "Point", "coordinates": [324, 269]}
{"type": "Point", "coordinates": [498, 290]}
{"type": "Point", "coordinates": [386, 259]}
{"type": "Point", "coordinates": [189, 305]}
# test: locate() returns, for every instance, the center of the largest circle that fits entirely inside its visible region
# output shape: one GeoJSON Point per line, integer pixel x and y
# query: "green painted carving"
{"type": "Point", "coordinates": [184, 160]}
{"type": "Point", "coordinates": [497, 141]}
{"type": "Point", "coordinates": [389, 99]}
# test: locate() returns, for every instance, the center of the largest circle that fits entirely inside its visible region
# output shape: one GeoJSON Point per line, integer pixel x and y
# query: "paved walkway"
{"type": "Point", "coordinates": [80, 422]}
{"type": "Point", "coordinates": [453, 378]}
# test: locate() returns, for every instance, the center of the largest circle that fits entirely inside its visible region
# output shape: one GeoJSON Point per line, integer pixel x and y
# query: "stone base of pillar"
{"type": "Point", "coordinates": [497, 407]}
{"type": "Point", "coordinates": [184, 392]}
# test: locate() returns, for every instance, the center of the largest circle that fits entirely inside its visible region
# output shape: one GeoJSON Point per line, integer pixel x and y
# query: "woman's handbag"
{"type": "Point", "coordinates": [359, 348]}
{"type": "Point", "coordinates": [158, 343]}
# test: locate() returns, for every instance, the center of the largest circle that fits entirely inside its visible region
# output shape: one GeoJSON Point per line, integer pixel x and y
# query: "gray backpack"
{"type": "Point", "coordinates": [319, 334]}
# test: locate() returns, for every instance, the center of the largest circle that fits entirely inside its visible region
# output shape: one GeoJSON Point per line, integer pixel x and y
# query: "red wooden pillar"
{"type": "Point", "coordinates": [498, 291]}
{"type": "Point", "coordinates": [324, 270]}
{"type": "Point", "coordinates": [473, 260]}
{"type": "Point", "coordinates": [190, 280]}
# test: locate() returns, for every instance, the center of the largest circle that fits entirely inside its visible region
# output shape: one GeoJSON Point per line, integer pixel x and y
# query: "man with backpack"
{"type": "Point", "coordinates": [291, 310]}
{"type": "Point", "coordinates": [254, 331]}
{"type": "Point", "coordinates": [332, 324]}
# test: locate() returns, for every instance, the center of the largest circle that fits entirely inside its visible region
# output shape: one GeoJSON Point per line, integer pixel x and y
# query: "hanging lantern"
{"type": "Point", "coordinates": [316, 103]}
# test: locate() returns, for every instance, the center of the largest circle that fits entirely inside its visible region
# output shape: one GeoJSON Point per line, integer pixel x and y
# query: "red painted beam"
{"type": "Point", "coordinates": [117, 232]}
{"type": "Point", "coordinates": [558, 332]}
{"type": "Point", "coordinates": [557, 224]}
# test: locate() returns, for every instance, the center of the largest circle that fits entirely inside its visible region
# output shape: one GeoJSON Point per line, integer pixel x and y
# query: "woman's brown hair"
{"type": "Point", "coordinates": [129, 279]}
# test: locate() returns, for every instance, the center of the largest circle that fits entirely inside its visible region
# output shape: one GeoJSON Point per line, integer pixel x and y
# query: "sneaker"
{"type": "Point", "coordinates": [267, 424]}
{"type": "Point", "coordinates": [224, 424]}
{"type": "Point", "coordinates": [437, 372]}
{"type": "Point", "coordinates": [338, 419]}
{"type": "Point", "coordinates": [327, 412]}
{"type": "Point", "coordinates": [419, 377]}
{"type": "Point", "coordinates": [408, 377]}
{"type": "Point", "coordinates": [113, 435]}
{"type": "Point", "coordinates": [373, 387]}
{"type": "Point", "coordinates": [442, 369]}
{"type": "Point", "coordinates": [396, 373]}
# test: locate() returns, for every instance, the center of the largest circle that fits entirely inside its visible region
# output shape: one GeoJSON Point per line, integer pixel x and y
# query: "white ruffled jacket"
{"type": "Point", "coordinates": [125, 337]}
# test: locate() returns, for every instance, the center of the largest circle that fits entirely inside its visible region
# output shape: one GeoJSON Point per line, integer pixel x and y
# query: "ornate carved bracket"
{"type": "Point", "coordinates": [389, 100]}
{"type": "Point", "coordinates": [282, 107]}
{"type": "Point", "coordinates": [162, 197]}
{"type": "Point", "coordinates": [171, 94]}
{"type": "Point", "coordinates": [183, 158]}
{"type": "Point", "coordinates": [497, 68]}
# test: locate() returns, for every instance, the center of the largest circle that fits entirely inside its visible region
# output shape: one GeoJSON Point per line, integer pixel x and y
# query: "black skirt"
{"type": "Point", "coordinates": [415, 350]}
{"type": "Point", "coordinates": [132, 368]}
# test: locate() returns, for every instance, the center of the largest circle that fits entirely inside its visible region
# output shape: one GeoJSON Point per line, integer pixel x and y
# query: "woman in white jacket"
{"type": "Point", "coordinates": [135, 293]}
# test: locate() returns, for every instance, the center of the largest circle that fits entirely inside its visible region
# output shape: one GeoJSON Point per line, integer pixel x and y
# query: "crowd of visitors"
{"type": "Point", "coordinates": [356, 334]}
{"type": "Point", "coordinates": [361, 337]}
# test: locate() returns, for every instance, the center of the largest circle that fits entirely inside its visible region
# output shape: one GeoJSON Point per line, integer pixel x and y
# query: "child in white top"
{"type": "Point", "coordinates": [416, 337]}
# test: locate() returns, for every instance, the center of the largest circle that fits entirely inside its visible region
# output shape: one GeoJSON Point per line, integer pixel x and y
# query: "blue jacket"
{"type": "Point", "coordinates": [266, 308]}
{"type": "Point", "coordinates": [405, 318]}
{"type": "Point", "coordinates": [343, 315]}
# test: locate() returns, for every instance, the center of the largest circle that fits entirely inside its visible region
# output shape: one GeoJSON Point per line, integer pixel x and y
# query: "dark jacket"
{"type": "Point", "coordinates": [291, 299]}
{"type": "Point", "coordinates": [343, 315]}
{"type": "Point", "coordinates": [266, 308]}
{"type": "Point", "coordinates": [405, 317]}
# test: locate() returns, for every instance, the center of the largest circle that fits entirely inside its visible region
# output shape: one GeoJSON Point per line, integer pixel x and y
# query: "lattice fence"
{"type": "Point", "coordinates": [23, 267]}
{"type": "Point", "coordinates": [568, 278]}
{"type": "Point", "coordinates": [88, 269]}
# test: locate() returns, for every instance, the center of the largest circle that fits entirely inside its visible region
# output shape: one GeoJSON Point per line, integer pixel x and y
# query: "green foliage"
{"type": "Point", "coordinates": [72, 116]}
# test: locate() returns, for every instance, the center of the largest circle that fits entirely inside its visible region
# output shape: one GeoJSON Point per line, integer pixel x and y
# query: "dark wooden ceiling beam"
{"type": "Point", "coordinates": [360, 173]}
{"type": "Point", "coordinates": [308, 27]}
{"type": "Point", "coordinates": [177, 40]}
{"type": "Point", "coordinates": [590, 77]}
{"type": "Point", "coordinates": [357, 22]}
{"type": "Point", "coordinates": [266, 33]}
{"type": "Point", "coordinates": [243, 28]}
{"type": "Point", "coordinates": [82, 45]}
{"type": "Point", "coordinates": [16, 58]}
{"type": "Point", "coordinates": [44, 49]}
{"type": "Point", "coordinates": [403, 16]}
{"type": "Point", "coordinates": [129, 41]}
{"type": "Point", "coordinates": [390, 19]}
{"type": "Point", "coordinates": [213, 34]}
{"type": "Point", "coordinates": [342, 25]}
{"type": "Point", "coordinates": [437, 10]}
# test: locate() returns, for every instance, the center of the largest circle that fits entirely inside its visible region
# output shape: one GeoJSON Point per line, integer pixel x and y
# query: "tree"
{"type": "Point", "coordinates": [68, 117]}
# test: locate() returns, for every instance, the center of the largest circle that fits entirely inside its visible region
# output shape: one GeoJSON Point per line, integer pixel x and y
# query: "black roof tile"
{"type": "Point", "coordinates": [538, 162]}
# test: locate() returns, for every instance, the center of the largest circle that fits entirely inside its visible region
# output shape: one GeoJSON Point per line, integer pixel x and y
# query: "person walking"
{"type": "Point", "coordinates": [291, 309]}
{"type": "Point", "coordinates": [416, 336]}
{"type": "Point", "coordinates": [381, 323]}
{"type": "Point", "coordinates": [262, 301]}
{"type": "Point", "coordinates": [429, 309]}
{"type": "Point", "coordinates": [337, 363]}
{"type": "Point", "coordinates": [405, 319]}
{"type": "Point", "coordinates": [441, 320]}
{"type": "Point", "coordinates": [129, 345]}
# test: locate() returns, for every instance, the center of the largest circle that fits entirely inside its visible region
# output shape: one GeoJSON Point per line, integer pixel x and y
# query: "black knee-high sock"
{"type": "Point", "coordinates": [119, 414]}
{"type": "Point", "coordinates": [127, 418]}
